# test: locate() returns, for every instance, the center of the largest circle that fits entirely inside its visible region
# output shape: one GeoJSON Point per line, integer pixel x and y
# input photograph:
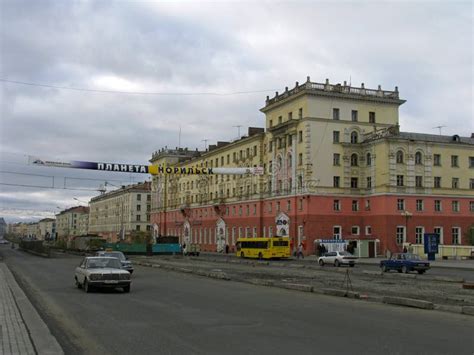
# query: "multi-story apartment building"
{"type": "Point", "coordinates": [47, 229]}
{"type": "Point", "coordinates": [3, 227]}
{"type": "Point", "coordinates": [33, 231]}
{"type": "Point", "coordinates": [336, 167]}
{"type": "Point", "coordinates": [121, 213]}
{"type": "Point", "coordinates": [72, 222]}
{"type": "Point", "coordinates": [18, 229]}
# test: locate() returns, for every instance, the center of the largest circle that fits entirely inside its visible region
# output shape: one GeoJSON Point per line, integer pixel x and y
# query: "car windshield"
{"type": "Point", "coordinates": [412, 257]}
{"type": "Point", "coordinates": [100, 263]}
{"type": "Point", "coordinates": [118, 255]}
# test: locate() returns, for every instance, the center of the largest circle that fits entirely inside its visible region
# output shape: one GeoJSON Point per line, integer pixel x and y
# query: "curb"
{"type": "Point", "coordinates": [468, 310]}
{"type": "Point", "coordinates": [44, 342]}
{"type": "Point", "coordinates": [408, 302]}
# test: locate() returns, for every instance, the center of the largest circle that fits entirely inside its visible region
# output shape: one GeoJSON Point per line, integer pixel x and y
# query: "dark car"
{"type": "Point", "coordinates": [405, 262]}
{"type": "Point", "coordinates": [126, 264]}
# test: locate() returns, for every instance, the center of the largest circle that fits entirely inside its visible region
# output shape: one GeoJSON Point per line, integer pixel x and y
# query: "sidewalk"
{"type": "Point", "coordinates": [22, 331]}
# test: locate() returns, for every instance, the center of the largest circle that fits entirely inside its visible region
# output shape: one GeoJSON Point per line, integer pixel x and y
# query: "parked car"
{"type": "Point", "coordinates": [337, 258]}
{"type": "Point", "coordinates": [101, 272]}
{"type": "Point", "coordinates": [3, 241]}
{"type": "Point", "coordinates": [405, 262]}
{"type": "Point", "coordinates": [126, 264]}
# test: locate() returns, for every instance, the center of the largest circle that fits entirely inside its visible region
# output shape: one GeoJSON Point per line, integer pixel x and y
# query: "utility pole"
{"type": "Point", "coordinates": [439, 127]}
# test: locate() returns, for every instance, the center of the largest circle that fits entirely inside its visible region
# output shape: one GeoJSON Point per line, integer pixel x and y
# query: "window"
{"type": "Point", "coordinates": [139, 208]}
{"type": "Point", "coordinates": [247, 209]}
{"type": "Point", "coordinates": [455, 183]}
{"type": "Point", "coordinates": [418, 158]}
{"type": "Point", "coordinates": [455, 206]}
{"type": "Point", "coordinates": [400, 235]}
{"type": "Point", "coordinates": [335, 113]}
{"type": "Point", "coordinates": [336, 232]}
{"type": "Point", "coordinates": [278, 206]}
{"type": "Point", "coordinates": [336, 205]}
{"type": "Point", "coordinates": [300, 112]}
{"type": "Point", "coordinates": [437, 182]}
{"type": "Point", "coordinates": [439, 231]}
{"type": "Point", "coordinates": [419, 181]}
{"type": "Point", "coordinates": [471, 206]}
{"type": "Point", "coordinates": [437, 160]}
{"type": "Point", "coordinates": [290, 116]}
{"type": "Point", "coordinates": [369, 159]}
{"type": "Point", "coordinates": [288, 205]}
{"type": "Point", "coordinates": [399, 180]}
{"type": "Point", "coordinates": [368, 230]}
{"type": "Point", "coordinates": [419, 231]}
{"type": "Point", "coordinates": [367, 205]}
{"type": "Point", "coordinates": [419, 205]}
{"type": "Point", "coordinates": [139, 218]}
{"type": "Point", "coordinates": [336, 180]}
{"type": "Point", "coordinates": [369, 182]}
{"type": "Point", "coordinates": [371, 117]}
{"type": "Point", "coordinates": [271, 123]}
{"type": "Point", "coordinates": [270, 146]}
{"type": "Point", "coordinates": [280, 119]}
{"type": "Point", "coordinates": [300, 159]}
{"type": "Point", "coordinates": [354, 182]}
{"type": "Point", "coordinates": [300, 136]}
{"type": "Point", "coordinates": [456, 235]}
{"type": "Point", "coordinates": [336, 159]}
{"type": "Point", "coordinates": [355, 230]}
{"type": "Point", "coordinates": [471, 162]}
{"type": "Point", "coordinates": [300, 204]}
{"type": "Point", "coordinates": [354, 115]}
{"type": "Point", "coordinates": [335, 136]}
{"type": "Point", "coordinates": [471, 184]}
{"type": "Point", "coordinates": [454, 161]}
{"type": "Point", "coordinates": [354, 160]}
{"type": "Point", "coordinates": [401, 204]}
{"type": "Point", "coordinates": [399, 157]}
{"type": "Point", "coordinates": [355, 205]}
{"type": "Point", "coordinates": [354, 137]}
{"type": "Point", "coordinates": [437, 206]}
{"type": "Point", "coordinates": [270, 207]}
{"type": "Point", "coordinates": [139, 197]}
{"type": "Point", "coordinates": [137, 228]}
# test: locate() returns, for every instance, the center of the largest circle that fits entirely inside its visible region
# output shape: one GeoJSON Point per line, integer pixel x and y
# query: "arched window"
{"type": "Point", "coordinates": [369, 159]}
{"type": "Point", "coordinates": [289, 160]}
{"type": "Point", "coordinates": [280, 162]}
{"type": "Point", "coordinates": [354, 137]}
{"type": "Point", "coordinates": [300, 181]}
{"type": "Point", "coordinates": [399, 157]}
{"type": "Point", "coordinates": [354, 160]}
{"type": "Point", "coordinates": [418, 158]}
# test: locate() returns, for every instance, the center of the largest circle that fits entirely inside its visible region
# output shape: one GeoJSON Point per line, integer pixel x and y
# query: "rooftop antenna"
{"type": "Point", "coordinates": [238, 129]}
{"type": "Point", "coordinates": [205, 143]}
{"type": "Point", "coordinates": [439, 127]}
{"type": "Point", "coordinates": [179, 137]}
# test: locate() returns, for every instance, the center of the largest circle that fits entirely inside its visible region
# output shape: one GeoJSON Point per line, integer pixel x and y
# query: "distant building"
{"type": "Point", "coordinates": [47, 229]}
{"type": "Point", "coordinates": [122, 213]}
{"type": "Point", "coordinates": [72, 222]}
{"type": "Point", "coordinates": [336, 167]}
{"type": "Point", "coordinates": [3, 227]}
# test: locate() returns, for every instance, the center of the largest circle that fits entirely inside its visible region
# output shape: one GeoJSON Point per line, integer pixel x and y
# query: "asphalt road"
{"type": "Point", "coordinates": [174, 313]}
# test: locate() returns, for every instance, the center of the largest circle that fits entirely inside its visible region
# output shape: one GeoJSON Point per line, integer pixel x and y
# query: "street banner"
{"type": "Point", "coordinates": [146, 169]}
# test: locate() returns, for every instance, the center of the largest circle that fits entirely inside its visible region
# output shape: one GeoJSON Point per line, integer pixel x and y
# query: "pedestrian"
{"type": "Point", "coordinates": [227, 248]}
{"type": "Point", "coordinates": [300, 251]}
{"type": "Point", "coordinates": [405, 250]}
{"type": "Point", "coordinates": [184, 248]}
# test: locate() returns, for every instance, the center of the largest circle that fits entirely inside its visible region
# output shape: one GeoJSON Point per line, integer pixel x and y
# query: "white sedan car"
{"type": "Point", "coordinates": [337, 258]}
{"type": "Point", "coordinates": [101, 272]}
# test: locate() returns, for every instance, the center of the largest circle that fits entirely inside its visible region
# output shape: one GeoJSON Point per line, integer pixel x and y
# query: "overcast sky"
{"type": "Point", "coordinates": [170, 54]}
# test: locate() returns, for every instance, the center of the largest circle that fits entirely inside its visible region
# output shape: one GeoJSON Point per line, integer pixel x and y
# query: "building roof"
{"type": "Point", "coordinates": [435, 138]}
{"type": "Point", "coordinates": [144, 187]}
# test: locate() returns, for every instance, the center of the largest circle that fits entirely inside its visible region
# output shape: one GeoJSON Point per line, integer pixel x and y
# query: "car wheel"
{"type": "Point", "coordinates": [351, 265]}
{"type": "Point", "coordinates": [78, 284]}
{"type": "Point", "coordinates": [337, 263]}
{"type": "Point", "coordinates": [126, 289]}
{"type": "Point", "coordinates": [197, 254]}
{"type": "Point", "coordinates": [404, 269]}
{"type": "Point", "coordinates": [87, 287]}
{"type": "Point", "coordinates": [242, 255]}
{"type": "Point", "coordinates": [384, 268]}
{"type": "Point", "coordinates": [130, 271]}
{"type": "Point", "coordinates": [321, 262]}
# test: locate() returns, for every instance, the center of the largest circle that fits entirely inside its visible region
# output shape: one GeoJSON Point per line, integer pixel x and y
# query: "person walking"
{"type": "Point", "coordinates": [300, 251]}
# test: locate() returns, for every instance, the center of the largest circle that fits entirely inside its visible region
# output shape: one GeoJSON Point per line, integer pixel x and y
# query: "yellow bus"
{"type": "Point", "coordinates": [263, 248]}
